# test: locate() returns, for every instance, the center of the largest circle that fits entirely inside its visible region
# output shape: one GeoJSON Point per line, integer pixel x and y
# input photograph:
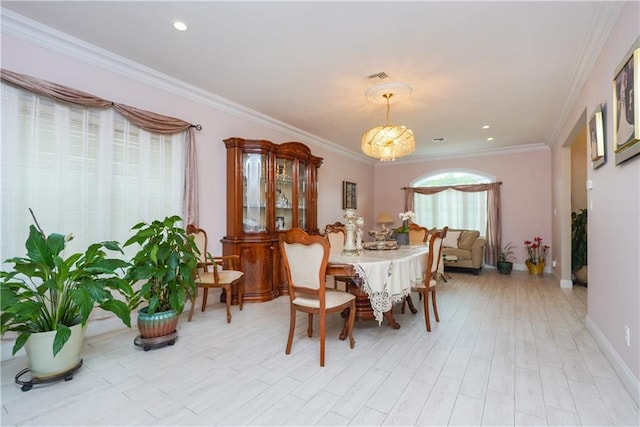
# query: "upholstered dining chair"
{"type": "Point", "coordinates": [417, 234]}
{"type": "Point", "coordinates": [336, 235]}
{"type": "Point", "coordinates": [429, 284]}
{"type": "Point", "coordinates": [305, 260]}
{"type": "Point", "coordinates": [215, 272]}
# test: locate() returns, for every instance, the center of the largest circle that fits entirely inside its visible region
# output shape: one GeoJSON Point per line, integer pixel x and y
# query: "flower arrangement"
{"type": "Point", "coordinates": [405, 217]}
{"type": "Point", "coordinates": [536, 250]}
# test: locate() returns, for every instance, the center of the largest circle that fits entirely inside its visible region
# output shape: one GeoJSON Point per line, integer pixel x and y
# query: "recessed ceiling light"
{"type": "Point", "coordinates": [490, 139]}
{"type": "Point", "coordinates": [180, 26]}
{"type": "Point", "coordinates": [486, 127]}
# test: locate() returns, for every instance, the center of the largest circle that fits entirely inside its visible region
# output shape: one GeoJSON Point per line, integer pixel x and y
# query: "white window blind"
{"type": "Point", "coordinates": [83, 171]}
{"type": "Point", "coordinates": [452, 208]}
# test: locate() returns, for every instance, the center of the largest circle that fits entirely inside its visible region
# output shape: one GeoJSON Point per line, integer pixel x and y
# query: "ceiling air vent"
{"type": "Point", "coordinates": [439, 139]}
{"type": "Point", "coordinates": [381, 75]}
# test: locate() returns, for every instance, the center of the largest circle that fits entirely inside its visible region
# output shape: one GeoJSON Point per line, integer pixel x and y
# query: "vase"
{"type": "Point", "coordinates": [504, 267]}
{"type": "Point", "coordinates": [402, 238]}
{"type": "Point", "coordinates": [158, 324]}
{"type": "Point", "coordinates": [537, 269]}
{"type": "Point", "coordinates": [39, 348]}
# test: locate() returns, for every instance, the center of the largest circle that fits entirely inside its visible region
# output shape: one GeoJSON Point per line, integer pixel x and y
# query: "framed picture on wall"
{"type": "Point", "coordinates": [626, 105]}
{"type": "Point", "coordinates": [349, 196]}
{"type": "Point", "coordinates": [596, 138]}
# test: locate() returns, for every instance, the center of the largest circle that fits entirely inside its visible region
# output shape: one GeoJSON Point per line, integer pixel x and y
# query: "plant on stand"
{"type": "Point", "coordinates": [165, 264]}
{"type": "Point", "coordinates": [537, 254]}
{"type": "Point", "coordinates": [47, 299]}
{"type": "Point", "coordinates": [402, 232]}
{"type": "Point", "coordinates": [505, 263]}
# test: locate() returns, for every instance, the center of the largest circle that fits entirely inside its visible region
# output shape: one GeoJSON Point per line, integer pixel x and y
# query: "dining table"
{"type": "Point", "coordinates": [382, 275]}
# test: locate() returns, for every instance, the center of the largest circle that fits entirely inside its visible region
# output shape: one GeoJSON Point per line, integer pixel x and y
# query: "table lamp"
{"type": "Point", "coordinates": [383, 219]}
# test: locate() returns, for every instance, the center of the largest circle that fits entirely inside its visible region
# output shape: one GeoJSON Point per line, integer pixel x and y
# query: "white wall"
{"type": "Point", "coordinates": [614, 221]}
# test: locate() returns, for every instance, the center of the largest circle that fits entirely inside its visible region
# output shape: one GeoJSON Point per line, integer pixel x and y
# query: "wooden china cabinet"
{"type": "Point", "coordinates": [270, 189]}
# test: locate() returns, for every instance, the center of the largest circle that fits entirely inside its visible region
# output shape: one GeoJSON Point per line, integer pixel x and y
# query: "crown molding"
{"type": "Point", "coordinates": [475, 153]}
{"type": "Point", "coordinates": [36, 33]}
{"type": "Point", "coordinates": [603, 22]}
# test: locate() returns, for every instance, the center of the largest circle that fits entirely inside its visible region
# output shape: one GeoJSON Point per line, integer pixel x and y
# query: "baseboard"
{"type": "Point", "coordinates": [566, 284]}
{"type": "Point", "coordinates": [626, 376]}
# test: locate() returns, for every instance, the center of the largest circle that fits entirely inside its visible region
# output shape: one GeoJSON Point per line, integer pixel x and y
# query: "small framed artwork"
{"type": "Point", "coordinates": [349, 196]}
{"type": "Point", "coordinates": [626, 105]}
{"type": "Point", "coordinates": [279, 223]}
{"type": "Point", "coordinates": [596, 138]}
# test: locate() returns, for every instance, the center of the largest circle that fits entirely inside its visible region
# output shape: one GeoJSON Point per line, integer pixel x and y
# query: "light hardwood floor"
{"type": "Point", "coordinates": [509, 350]}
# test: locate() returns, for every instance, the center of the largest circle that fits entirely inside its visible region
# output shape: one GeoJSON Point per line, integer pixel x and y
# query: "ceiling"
{"type": "Point", "coordinates": [516, 66]}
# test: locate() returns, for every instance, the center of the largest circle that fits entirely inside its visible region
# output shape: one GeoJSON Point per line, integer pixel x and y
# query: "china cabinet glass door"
{"type": "Point", "coordinates": [284, 196]}
{"type": "Point", "coordinates": [254, 212]}
{"type": "Point", "coordinates": [302, 196]}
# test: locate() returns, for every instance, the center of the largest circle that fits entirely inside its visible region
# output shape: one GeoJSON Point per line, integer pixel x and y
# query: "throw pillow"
{"type": "Point", "coordinates": [451, 239]}
{"type": "Point", "coordinates": [467, 237]}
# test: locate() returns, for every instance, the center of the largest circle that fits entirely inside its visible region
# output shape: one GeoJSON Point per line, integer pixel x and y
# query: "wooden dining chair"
{"type": "Point", "coordinates": [305, 260]}
{"type": "Point", "coordinates": [215, 272]}
{"type": "Point", "coordinates": [417, 234]}
{"type": "Point", "coordinates": [429, 284]}
{"type": "Point", "coordinates": [336, 235]}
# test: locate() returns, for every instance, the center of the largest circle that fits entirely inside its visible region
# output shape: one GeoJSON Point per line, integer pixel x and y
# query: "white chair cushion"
{"type": "Point", "coordinates": [432, 283]}
{"type": "Point", "coordinates": [333, 298]}
{"type": "Point", "coordinates": [225, 276]}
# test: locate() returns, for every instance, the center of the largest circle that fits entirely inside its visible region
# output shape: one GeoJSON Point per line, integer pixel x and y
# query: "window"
{"type": "Point", "coordinates": [84, 171]}
{"type": "Point", "coordinates": [456, 209]}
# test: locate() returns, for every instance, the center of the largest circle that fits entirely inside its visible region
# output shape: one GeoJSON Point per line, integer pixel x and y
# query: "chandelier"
{"type": "Point", "coordinates": [388, 142]}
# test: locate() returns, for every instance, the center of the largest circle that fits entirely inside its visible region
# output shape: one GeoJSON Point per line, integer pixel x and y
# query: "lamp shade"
{"type": "Point", "coordinates": [384, 217]}
{"type": "Point", "coordinates": [388, 142]}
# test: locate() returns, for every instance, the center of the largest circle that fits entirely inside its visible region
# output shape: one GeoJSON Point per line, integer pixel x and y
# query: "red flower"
{"type": "Point", "coordinates": [536, 250]}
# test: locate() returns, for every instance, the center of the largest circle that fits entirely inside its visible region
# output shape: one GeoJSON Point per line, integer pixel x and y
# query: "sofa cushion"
{"type": "Point", "coordinates": [467, 237]}
{"type": "Point", "coordinates": [462, 254]}
{"type": "Point", "coordinates": [451, 239]}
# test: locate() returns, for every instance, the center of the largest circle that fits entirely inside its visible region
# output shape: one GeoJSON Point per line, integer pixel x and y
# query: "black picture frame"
{"type": "Point", "coordinates": [349, 195]}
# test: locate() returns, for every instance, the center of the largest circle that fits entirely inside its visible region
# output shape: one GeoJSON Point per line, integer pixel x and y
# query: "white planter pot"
{"type": "Point", "coordinates": [39, 348]}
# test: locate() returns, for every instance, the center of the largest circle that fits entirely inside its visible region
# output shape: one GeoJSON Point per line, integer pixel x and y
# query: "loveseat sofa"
{"type": "Point", "coordinates": [467, 246]}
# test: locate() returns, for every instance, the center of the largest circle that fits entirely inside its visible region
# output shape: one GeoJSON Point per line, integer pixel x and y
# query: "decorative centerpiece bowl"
{"type": "Point", "coordinates": [381, 236]}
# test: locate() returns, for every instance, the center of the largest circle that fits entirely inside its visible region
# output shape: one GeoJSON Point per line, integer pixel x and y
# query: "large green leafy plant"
{"type": "Point", "coordinates": [578, 239]}
{"type": "Point", "coordinates": [47, 292]}
{"type": "Point", "coordinates": [165, 264]}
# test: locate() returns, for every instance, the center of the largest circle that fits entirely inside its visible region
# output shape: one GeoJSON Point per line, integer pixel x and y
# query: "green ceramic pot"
{"type": "Point", "coordinates": [158, 324]}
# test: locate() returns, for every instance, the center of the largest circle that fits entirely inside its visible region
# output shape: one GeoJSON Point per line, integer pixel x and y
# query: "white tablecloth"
{"type": "Point", "coordinates": [387, 275]}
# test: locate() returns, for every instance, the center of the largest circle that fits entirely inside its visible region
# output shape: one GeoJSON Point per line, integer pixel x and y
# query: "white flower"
{"type": "Point", "coordinates": [406, 216]}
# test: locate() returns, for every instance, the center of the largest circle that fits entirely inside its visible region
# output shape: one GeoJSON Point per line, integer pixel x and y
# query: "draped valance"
{"type": "Point", "coordinates": [147, 120]}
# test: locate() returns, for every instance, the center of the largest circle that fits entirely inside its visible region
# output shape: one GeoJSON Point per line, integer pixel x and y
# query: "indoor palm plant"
{"type": "Point", "coordinates": [47, 298]}
{"type": "Point", "coordinates": [505, 263]}
{"type": "Point", "coordinates": [164, 265]}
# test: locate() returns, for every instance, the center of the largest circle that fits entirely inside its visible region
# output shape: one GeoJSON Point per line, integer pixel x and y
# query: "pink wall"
{"type": "Point", "coordinates": [614, 212]}
{"type": "Point", "coordinates": [27, 58]}
{"type": "Point", "coordinates": [526, 200]}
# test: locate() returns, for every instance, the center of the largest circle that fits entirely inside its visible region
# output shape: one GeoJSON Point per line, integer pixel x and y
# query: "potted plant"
{"type": "Point", "coordinates": [579, 245]}
{"type": "Point", "coordinates": [536, 255]}
{"type": "Point", "coordinates": [402, 232]}
{"type": "Point", "coordinates": [47, 299]}
{"type": "Point", "coordinates": [165, 265]}
{"type": "Point", "coordinates": [505, 263]}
